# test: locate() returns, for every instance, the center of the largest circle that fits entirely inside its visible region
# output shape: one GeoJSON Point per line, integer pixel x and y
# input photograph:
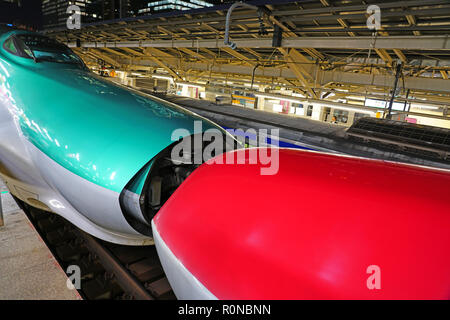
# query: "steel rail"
{"type": "Point", "coordinates": [125, 279]}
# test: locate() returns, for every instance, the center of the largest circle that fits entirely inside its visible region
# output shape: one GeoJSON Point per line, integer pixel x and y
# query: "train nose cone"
{"type": "Point", "coordinates": [321, 227]}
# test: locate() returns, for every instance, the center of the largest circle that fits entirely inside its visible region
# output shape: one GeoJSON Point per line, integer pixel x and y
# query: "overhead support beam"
{"type": "Point", "coordinates": [357, 7]}
{"type": "Point", "coordinates": [400, 55]}
{"type": "Point", "coordinates": [133, 52]}
{"type": "Point", "coordinates": [238, 55]}
{"type": "Point", "coordinates": [166, 67]}
{"type": "Point", "coordinates": [253, 52]}
{"type": "Point", "coordinates": [159, 53]}
{"type": "Point", "coordinates": [82, 54]}
{"type": "Point", "coordinates": [211, 53]}
{"type": "Point", "coordinates": [341, 21]}
{"type": "Point", "coordinates": [314, 53]}
{"type": "Point", "coordinates": [385, 56]}
{"type": "Point", "coordinates": [294, 60]}
{"type": "Point", "coordinates": [412, 83]}
{"type": "Point", "coordinates": [115, 52]}
{"type": "Point", "coordinates": [200, 75]}
{"type": "Point", "coordinates": [244, 28]}
{"type": "Point", "coordinates": [311, 51]}
{"type": "Point", "coordinates": [134, 32]}
{"type": "Point", "coordinates": [412, 22]}
{"type": "Point", "coordinates": [164, 30]}
{"type": "Point", "coordinates": [160, 63]}
{"type": "Point", "coordinates": [416, 74]}
{"type": "Point", "coordinates": [444, 74]}
{"type": "Point", "coordinates": [344, 24]}
{"type": "Point", "coordinates": [325, 77]}
{"type": "Point", "coordinates": [193, 53]}
{"type": "Point", "coordinates": [108, 35]}
{"type": "Point", "coordinates": [387, 43]}
{"type": "Point", "coordinates": [185, 30]}
{"type": "Point", "coordinates": [105, 57]}
{"type": "Point", "coordinates": [275, 21]}
{"type": "Point", "coordinates": [170, 59]}
{"type": "Point", "coordinates": [394, 13]}
{"type": "Point", "coordinates": [207, 26]}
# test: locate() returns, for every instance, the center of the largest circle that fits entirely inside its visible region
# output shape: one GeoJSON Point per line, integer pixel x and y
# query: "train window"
{"type": "Point", "coordinates": [10, 46]}
{"type": "Point", "coordinates": [13, 45]}
{"type": "Point", "coordinates": [340, 115]}
{"type": "Point", "coordinates": [41, 48]}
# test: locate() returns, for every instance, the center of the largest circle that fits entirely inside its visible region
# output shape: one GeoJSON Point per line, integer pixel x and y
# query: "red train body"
{"type": "Point", "coordinates": [323, 227]}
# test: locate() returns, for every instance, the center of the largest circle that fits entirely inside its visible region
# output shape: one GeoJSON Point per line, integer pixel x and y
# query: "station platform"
{"type": "Point", "coordinates": [310, 134]}
{"type": "Point", "coordinates": [28, 270]}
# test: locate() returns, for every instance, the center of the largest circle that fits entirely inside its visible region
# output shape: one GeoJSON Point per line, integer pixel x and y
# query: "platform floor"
{"type": "Point", "coordinates": [28, 270]}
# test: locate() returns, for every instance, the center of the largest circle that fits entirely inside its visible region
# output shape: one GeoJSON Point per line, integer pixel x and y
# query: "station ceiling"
{"type": "Point", "coordinates": [326, 45]}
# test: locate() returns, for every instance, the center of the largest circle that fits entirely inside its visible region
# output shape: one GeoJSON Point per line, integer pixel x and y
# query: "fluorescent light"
{"type": "Point", "coordinates": [136, 74]}
{"type": "Point", "coordinates": [277, 107]}
{"type": "Point", "coordinates": [419, 106]}
{"type": "Point", "coordinates": [190, 85]}
{"type": "Point", "coordinates": [358, 98]}
{"type": "Point", "coordinates": [337, 106]}
{"type": "Point", "coordinates": [249, 85]}
{"type": "Point", "coordinates": [162, 77]}
{"type": "Point", "coordinates": [278, 98]}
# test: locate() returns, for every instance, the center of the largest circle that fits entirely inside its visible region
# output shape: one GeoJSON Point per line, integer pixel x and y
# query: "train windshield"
{"type": "Point", "coordinates": [41, 48]}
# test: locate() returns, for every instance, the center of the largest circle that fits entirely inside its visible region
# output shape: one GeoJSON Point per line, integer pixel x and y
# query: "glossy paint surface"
{"type": "Point", "coordinates": [137, 183]}
{"type": "Point", "coordinates": [312, 230]}
{"type": "Point", "coordinates": [98, 130]}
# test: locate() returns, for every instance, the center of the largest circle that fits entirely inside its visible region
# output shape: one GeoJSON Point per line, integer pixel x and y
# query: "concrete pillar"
{"type": "Point", "coordinates": [351, 117]}
{"type": "Point", "coordinates": [184, 91]}
{"type": "Point", "coordinates": [126, 80]}
{"type": "Point", "coordinates": [168, 85]}
{"type": "Point", "coordinates": [260, 103]}
{"type": "Point", "coordinates": [260, 100]}
{"type": "Point", "coordinates": [317, 109]}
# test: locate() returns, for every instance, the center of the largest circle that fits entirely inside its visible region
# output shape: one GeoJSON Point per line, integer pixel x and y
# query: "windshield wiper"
{"type": "Point", "coordinates": [28, 48]}
{"type": "Point", "coordinates": [31, 51]}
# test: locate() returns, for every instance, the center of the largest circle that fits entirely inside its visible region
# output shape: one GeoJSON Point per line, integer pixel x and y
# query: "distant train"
{"type": "Point", "coordinates": [80, 146]}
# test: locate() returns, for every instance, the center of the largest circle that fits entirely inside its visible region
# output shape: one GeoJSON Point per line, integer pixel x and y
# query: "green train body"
{"type": "Point", "coordinates": [79, 145]}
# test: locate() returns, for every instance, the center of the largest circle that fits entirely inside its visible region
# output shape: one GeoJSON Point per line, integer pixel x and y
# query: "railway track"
{"type": "Point", "coordinates": [108, 271]}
